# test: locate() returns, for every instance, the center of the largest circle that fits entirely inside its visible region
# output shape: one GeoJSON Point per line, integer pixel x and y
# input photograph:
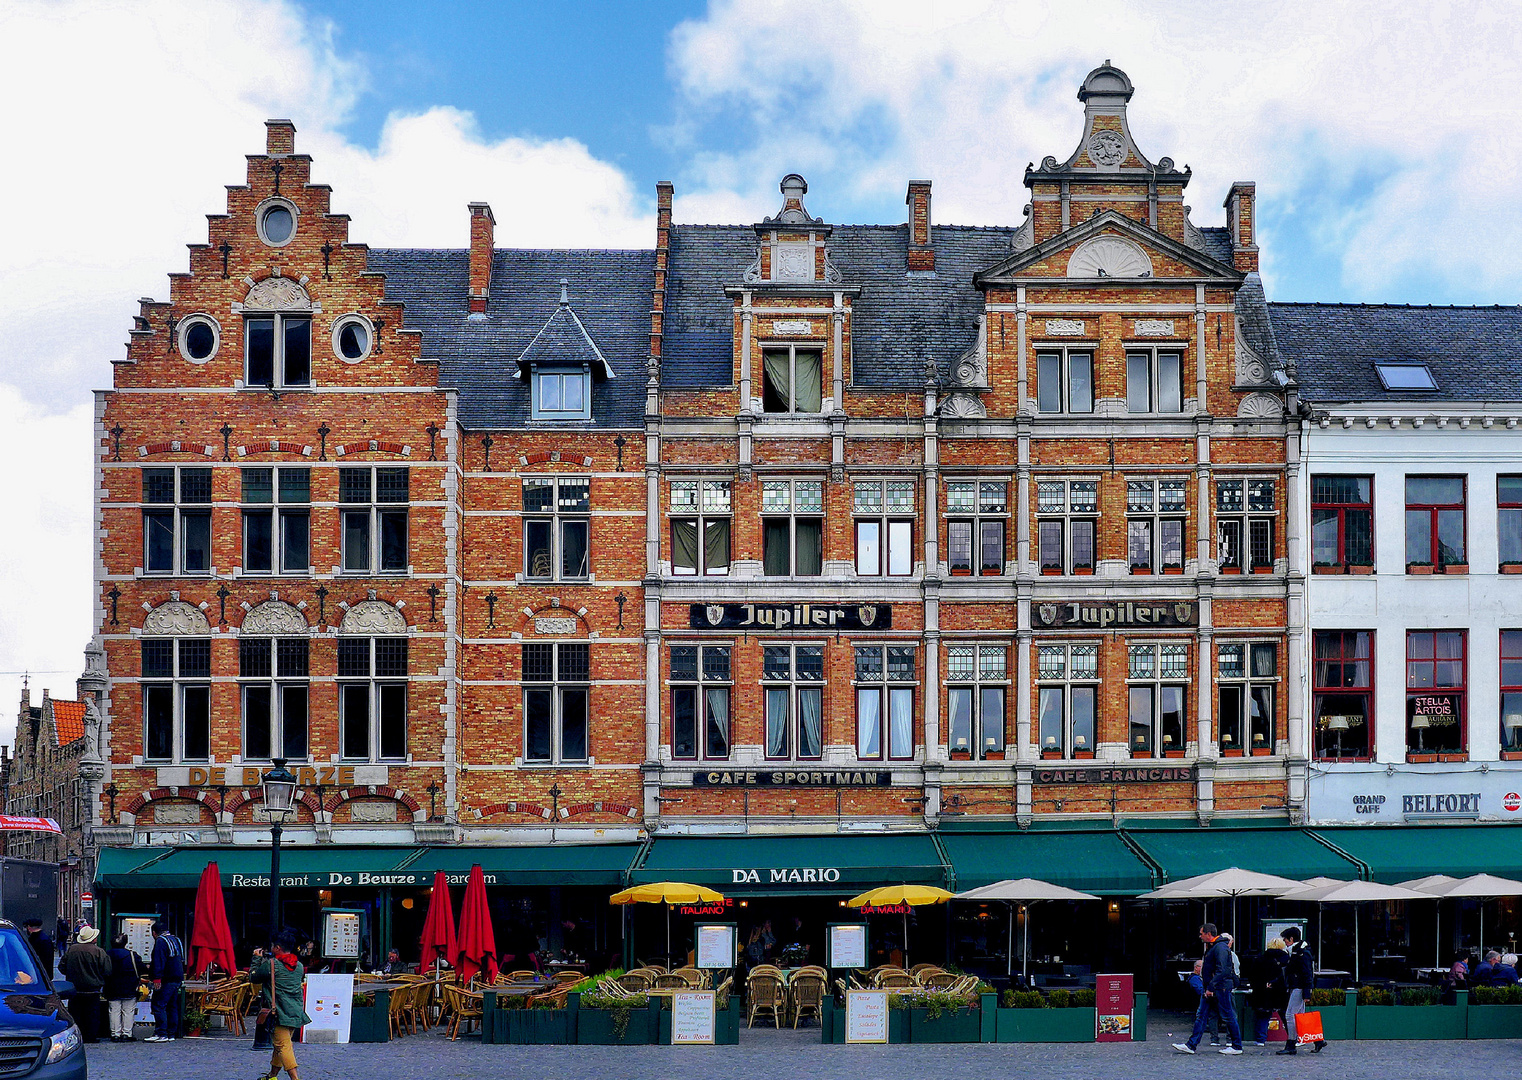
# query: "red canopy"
{"type": "Point", "coordinates": [478, 945]}
{"type": "Point", "coordinates": [438, 928]}
{"type": "Point", "coordinates": [211, 940]}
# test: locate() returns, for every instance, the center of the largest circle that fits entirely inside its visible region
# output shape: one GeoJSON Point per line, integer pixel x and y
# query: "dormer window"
{"type": "Point", "coordinates": [562, 394]}
{"type": "Point", "coordinates": [791, 380]}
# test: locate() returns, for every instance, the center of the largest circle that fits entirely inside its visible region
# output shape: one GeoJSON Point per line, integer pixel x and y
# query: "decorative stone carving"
{"type": "Point", "coordinates": [1154, 327]}
{"type": "Point", "coordinates": [373, 617]}
{"type": "Point", "coordinates": [372, 811]}
{"type": "Point", "coordinates": [277, 294]}
{"type": "Point", "coordinates": [1025, 236]}
{"type": "Point", "coordinates": [792, 262]}
{"type": "Point", "coordinates": [176, 617]}
{"type": "Point", "coordinates": [971, 368]}
{"type": "Point", "coordinates": [1107, 149]}
{"type": "Point", "coordinates": [1260, 407]}
{"type": "Point", "coordinates": [92, 723]}
{"type": "Point", "coordinates": [963, 405]}
{"type": "Point", "coordinates": [1109, 256]}
{"type": "Point", "coordinates": [1252, 369]}
{"type": "Point", "coordinates": [274, 617]}
{"type": "Point", "coordinates": [95, 659]}
{"type": "Point", "coordinates": [177, 813]}
{"type": "Point", "coordinates": [1064, 327]}
{"type": "Point", "coordinates": [1192, 235]}
{"type": "Point", "coordinates": [792, 327]}
{"type": "Point", "coordinates": [554, 624]}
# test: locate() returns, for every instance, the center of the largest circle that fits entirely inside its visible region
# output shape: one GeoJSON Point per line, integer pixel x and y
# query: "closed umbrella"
{"type": "Point", "coordinates": [1426, 885]}
{"type": "Point", "coordinates": [668, 893]}
{"type": "Point", "coordinates": [1026, 891]}
{"type": "Point", "coordinates": [438, 941]}
{"type": "Point", "coordinates": [1355, 893]}
{"type": "Point", "coordinates": [477, 944]}
{"type": "Point", "coordinates": [211, 939]}
{"type": "Point", "coordinates": [908, 895]}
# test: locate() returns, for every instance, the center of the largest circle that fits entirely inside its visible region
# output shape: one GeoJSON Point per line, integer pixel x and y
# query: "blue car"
{"type": "Point", "coordinates": [38, 1038]}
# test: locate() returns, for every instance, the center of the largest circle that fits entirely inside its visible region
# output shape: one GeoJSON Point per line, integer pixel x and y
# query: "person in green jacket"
{"type": "Point", "coordinates": [283, 975]}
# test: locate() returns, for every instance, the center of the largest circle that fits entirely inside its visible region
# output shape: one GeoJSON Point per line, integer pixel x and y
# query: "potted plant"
{"type": "Point", "coordinates": [1511, 568]}
{"type": "Point", "coordinates": [1418, 568]}
{"type": "Point", "coordinates": [1360, 568]}
{"type": "Point", "coordinates": [1326, 568]}
{"type": "Point", "coordinates": [369, 1021]}
{"type": "Point", "coordinates": [1173, 569]}
{"type": "Point", "coordinates": [1260, 747]}
{"type": "Point", "coordinates": [1495, 1012]}
{"type": "Point", "coordinates": [195, 1021]}
{"type": "Point", "coordinates": [1056, 1016]}
{"type": "Point", "coordinates": [939, 1017]}
{"type": "Point", "coordinates": [1088, 571]}
{"type": "Point", "coordinates": [1456, 568]}
{"type": "Point", "coordinates": [1262, 568]}
{"type": "Point", "coordinates": [1411, 1012]}
{"type": "Point", "coordinates": [603, 1019]}
{"type": "Point", "coordinates": [1170, 750]}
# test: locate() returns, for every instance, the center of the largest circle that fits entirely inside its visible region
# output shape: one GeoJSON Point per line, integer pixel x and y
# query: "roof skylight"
{"type": "Point", "coordinates": [1405, 376]}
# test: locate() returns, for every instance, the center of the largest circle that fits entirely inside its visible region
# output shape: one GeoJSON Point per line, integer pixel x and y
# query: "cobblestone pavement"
{"type": "Point", "coordinates": [772, 1055]}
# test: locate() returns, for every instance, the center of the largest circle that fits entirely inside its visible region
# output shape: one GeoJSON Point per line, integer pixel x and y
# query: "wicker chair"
{"type": "Point", "coordinates": [522, 976]}
{"type": "Point", "coordinates": [231, 1002]}
{"type": "Point", "coordinates": [400, 1011]}
{"type": "Point", "coordinates": [919, 969]}
{"type": "Point", "coordinates": [766, 994]}
{"type": "Point", "coordinates": [693, 976]}
{"type": "Point", "coordinates": [570, 978]}
{"type": "Point", "coordinates": [939, 980]}
{"type": "Point", "coordinates": [464, 1007]}
{"type": "Point", "coordinates": [807, 992]}
{"type": "Point", "coordinates": [673, 981]}
{"type": "Point", "coordinates": [636, 981]}
{"type": "Point", "coordinates": [894, 979]}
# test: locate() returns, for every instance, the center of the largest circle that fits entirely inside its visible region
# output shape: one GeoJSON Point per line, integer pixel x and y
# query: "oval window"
{"type": "Point", "coordinates": [353, 340]}
{"type": "Point", "coordinates": [278, 224]}
{"type": "Point", "coordinates": [200, 340]}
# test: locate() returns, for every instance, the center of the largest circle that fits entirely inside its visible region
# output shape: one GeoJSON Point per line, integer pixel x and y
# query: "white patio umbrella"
{"type": "Point", "coordinates": [1024, 891]}
{"type": "Point", "coordinates": [1315, 883]}
{"type": "Point", "coordinates": [1481, 887]}
{"type": "Point", "coordinates": [1231, 882]}
{"type": "Point", "coordinates": [1426, 885]}
{"type": "Point", "coordinates": [1355, 893]}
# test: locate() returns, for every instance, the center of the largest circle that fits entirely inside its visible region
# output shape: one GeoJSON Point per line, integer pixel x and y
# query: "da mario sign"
{"type": "Point", "coordinates": [779, 875]}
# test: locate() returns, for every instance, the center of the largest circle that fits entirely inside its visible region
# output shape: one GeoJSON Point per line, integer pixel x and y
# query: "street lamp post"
{"type": "Point", "coordinates": [279, 801]}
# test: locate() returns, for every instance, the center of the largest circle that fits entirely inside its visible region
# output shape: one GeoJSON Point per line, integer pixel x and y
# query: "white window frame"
{"type": "Point", "coordinates": [1165, 674]}
{"type": "Point", "coordinates": [1247, 523]}
{"type": "Point", "coordinates": [1065, 355]}
{"type": "Point", "coordinates": [1154, 515]}
{"type": "Point", "coordinates": [872, 506]}
{"type": "Point", "coordinates": [374, 688]}
{"type": "Point", "coordinates": [879, 681]}
{"type": "Point", "coordinates": [988, 671]}
{"type": "Point", "coordinates": [279, 376]}
{"type": "Point", "coordinates": [177, 684]}
{"type": "Point", "coordinates": [794, 687]}
{"type": "Point", "coordinates": [179, 510]}
{"type": "Point", "coordinates": [275, 684]}
{"type": "Point", "coordinates": [562, 374]}
{"type": "Point", "coordinates": [557, 686]}
{"type": "Point", "coordinates": [560, 519]}
{"type": "Point", "coordinates": [1245, 681]}
{"type": "Point", "coordinates": [1152, 354]}
{"type": "Point", "coordinates": [1068, 491]}
{"type": "Point", "coordinates": [701, 685]}
{"type": "Point", "coordinates": [793, 515]}
{"type": "Point", "coordinates": [376, 510]}
{"type": "Point", "coordinates": [976, 513]}
{"type": "Point", "coordinates": [278, 511]}
{"type": "Point", "coordinates": [712, 503]}
{"type": "Point", "coordinates": [793, 349]}
{"type": "Point", "coordinates": [1058, 671]}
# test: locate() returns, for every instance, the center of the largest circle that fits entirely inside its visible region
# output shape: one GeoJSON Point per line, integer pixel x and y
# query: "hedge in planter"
{"type": "Point", "coordinates": [1339, 1012]}
{"type": "Point", "coordinates": [369, 1018]}
{"type": "Point", "coordinates": [938, 1017]}
{"type": "Point", "coordinates": [1056, 1016]}
{"type": "Point", "coordinates": [1415, 1014]}
{"type": "Point", "coordinates": [602, 1019]}
{"type": "Point", "coordinates": [1495, 1012]}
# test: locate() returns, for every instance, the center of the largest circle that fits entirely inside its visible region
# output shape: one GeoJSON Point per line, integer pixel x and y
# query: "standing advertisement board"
{"type": "Point", "coordinates": [846, 945]}
{"type": "Point", "coordinates": [866, 1016]}
{"type": "Point", "coordinates": [717, 945]}
{"type": "Point", "coordinates": [694, 1015]}
{"type": "Point", "coordinates": [1115, 995]}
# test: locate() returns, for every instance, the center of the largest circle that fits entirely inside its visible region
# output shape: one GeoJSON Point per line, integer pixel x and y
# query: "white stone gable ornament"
{"type": "Point", "coordinates": [373, 617]}
{"type": "Point", "coordinates": [277, 294]}
{"type": "Point", "coordinates": [274, 617]}
{"type": "Point", "coordinates": [1107, 149]}
{"type": "Point", "coordinates": [1109, 256]}
{"type": "Point", "coordinates": [176, 617]}
{"type": "Point", "coordinates": [1064, 327]}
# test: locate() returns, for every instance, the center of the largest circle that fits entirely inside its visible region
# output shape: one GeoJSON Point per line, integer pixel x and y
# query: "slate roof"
{"type": "Point", "coordinates": [68, 721]}
{"type": "Point", "coordinates": [609, 291]}
{"type": "Point", "coordinates": [899, 319]}
{"type": "Point", "coordinates": [1474, 353]}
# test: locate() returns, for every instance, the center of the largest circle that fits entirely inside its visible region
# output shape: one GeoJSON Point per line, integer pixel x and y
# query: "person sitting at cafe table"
{"type": "Point", "coordinates": [1485, 972]}
{"type": "Point", "coordinates": [1504, 972]}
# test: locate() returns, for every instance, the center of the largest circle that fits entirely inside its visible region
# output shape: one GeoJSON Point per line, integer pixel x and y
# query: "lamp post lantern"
{"type": "Point", "coordinates": [279, 801]}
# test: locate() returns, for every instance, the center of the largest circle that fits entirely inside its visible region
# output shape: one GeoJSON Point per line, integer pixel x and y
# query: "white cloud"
{"type": "Point", "coordinates": [1403, 110]}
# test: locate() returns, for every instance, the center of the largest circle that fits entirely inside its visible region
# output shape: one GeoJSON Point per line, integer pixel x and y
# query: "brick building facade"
{"type": "Point", "coordinates": [814, 534]}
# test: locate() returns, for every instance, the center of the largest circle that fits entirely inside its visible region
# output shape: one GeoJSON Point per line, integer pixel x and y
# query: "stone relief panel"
{"type": "Point", "coordinates": [1109, 256]}
{"type": "Point", "coordinates": [1260, 407]}
{"type": "Point", "coordinates": [274, 617]}
{"type": "Point", "coordinates": [278, 294]}
{"type": "Point", "coordinates": [373, 617]}
{"type": "Point", "coordinates": [176, 617]}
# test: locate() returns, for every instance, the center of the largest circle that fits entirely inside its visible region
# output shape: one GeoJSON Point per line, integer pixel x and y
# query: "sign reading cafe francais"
{"type": "Point", "coordinates": [791, 617]}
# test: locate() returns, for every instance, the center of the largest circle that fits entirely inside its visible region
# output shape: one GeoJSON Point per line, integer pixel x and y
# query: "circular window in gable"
{"type": "Point", "coordinates": [353, 336]}
{"type": "Point", "coordinates": [199, 336]}
{"type": "Point", "coordinates": [276, 220]}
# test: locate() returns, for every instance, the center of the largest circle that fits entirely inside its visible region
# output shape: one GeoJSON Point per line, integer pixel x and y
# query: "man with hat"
{"type": "Point", "coordinates": [87, 966]}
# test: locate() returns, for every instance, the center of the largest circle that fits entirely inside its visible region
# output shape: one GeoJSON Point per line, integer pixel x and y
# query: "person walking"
{"type": "Point", "coordinates": [283, 973]}
{"type": "Point", "coordinates": [41, 944]}
{"type": "Point", "coordinates": [167, 970]}
{"type": "Point", "coordinates": [1299, 977]}
{"type": "Point", "coordinates": [1268, 991]}
{"type": "Point", "coordinates": [87, 966]}
{"type": "Point", "coordinates": [122, 988]}
{"type": "Point", "coordinates": [1219, 974]}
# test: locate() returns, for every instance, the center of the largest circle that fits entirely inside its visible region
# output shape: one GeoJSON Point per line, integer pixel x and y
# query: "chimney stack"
{"type": "Point", "coordinates": [1241, 205]}
{"type": "Point", "coordinates": [279, 138]}
{"type": "Point", "coordinates": [663, 193]}
{"type": "Point", "coordinates": [482, 242]}
{"type": "Point", "coordinates": [921, 254]}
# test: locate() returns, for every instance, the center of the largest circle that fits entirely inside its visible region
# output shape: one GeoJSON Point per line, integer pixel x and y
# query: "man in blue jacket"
{"type": "Point", "coordinates": [167, 972]}
{"type": "Point", "coordinates": [1218, 973]}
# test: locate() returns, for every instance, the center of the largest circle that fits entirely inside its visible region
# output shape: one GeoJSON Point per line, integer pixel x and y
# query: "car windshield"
{"type": "Point", "coordinates": [18, 968]}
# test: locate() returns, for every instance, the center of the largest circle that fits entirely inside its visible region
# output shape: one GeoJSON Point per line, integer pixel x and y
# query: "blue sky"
{"type": "Point", "coordinates": [1379, 136]}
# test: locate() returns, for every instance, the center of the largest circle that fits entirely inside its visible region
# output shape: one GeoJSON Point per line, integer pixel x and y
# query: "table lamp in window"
{"type": "Point", "coordinates": [990, 744]}
{"type": "Point", "coordinates": [1080, 742]}
{"type": "Point", "coordinates": [1338, 724]}
{"type": "Point", "coordinates": [1513, 722]}
{"type": "Point", "coordinates": [1051, 742]}
{"type": "Point", "coordinates": [1419, 724]}
{"type": "Point", "coordinates": [1226, 740]}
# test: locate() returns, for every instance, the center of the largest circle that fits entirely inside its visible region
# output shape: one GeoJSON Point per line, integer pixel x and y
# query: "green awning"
{"type": "Point", "coordinates": [1286, 851]}
{"type": "Point", "coordinates": [1395, 853]}
{"type": "Point", "coordinates": [782, 865]}
{"type": "Point", "coordinates": [1096, 861]}
{"type": "Point", "coordinates": [344, 867]}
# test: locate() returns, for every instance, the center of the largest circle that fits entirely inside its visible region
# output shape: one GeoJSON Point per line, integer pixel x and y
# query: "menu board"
{"type": "Point", "coordinates": [866, 1016]}
{"type": "Point", "coordinates": [693, 1017]}
{"type": "Point", "coordinates": [1115, 998]}
{"type": "Point", "coordinates": [716, 945]}
{"type": "Point", "coordinates": [329, 1000]}
{"type": "Point", "coordinates": [139, 931]}
{"type": "Point", "coordinates": [847, 945]}
{"type": "Point", "coordinates": [1274, 928]}
{"type": "Point", "coordinates": [340, 934]}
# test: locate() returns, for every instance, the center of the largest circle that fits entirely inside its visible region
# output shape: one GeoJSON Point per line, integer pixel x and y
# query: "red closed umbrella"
{"type": "Point", "coordinates": [477, 944]}
{"type": "Point", "coordinates": [438, 929]}
{"type": "Point", "coordinates": [211, 939]}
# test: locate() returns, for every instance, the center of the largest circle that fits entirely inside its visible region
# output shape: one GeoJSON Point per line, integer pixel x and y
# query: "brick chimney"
{"type": "Point", "coordinates": [921, 254]}
{"type": "Point", "coordinates": [1241, 205]}
{"type": "Point", "coordinates": [663, 194]}
{"type": "Point", "coordinates": [279, 138]}
{"type": "Point", "coordinates": [482, 241]}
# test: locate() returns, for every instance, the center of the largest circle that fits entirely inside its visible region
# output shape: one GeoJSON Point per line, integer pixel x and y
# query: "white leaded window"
{"type": "Point", "coordinates": [884, 513]}
{"type": "Point", "coordinates": [177, 520]}
{"type": "Point", "coordinates": [1245, 512]}
{"type": "Point", "coordinates": [1067, 513]}
{"type": "Point", "coordinates": [792, 679]}
{"type": "Point", "coordinates": [1068, 699]}
{"type": "Point", "coordinates": [977, 685]}
{"type": "Point", "coordinates": [372, 698]}
{"type": "Point", "coordinates": [701, 524]}
{"type": "Point", "coordinates": [1246, 675]}
{"type": "Point", "coordinates": [1156, 514]}
{"type": "Point", "coordinates": [701, 680]}
{"type": "Point", "coordinates": [555, 697]}
{"type": "Point", "coordinates": [792, 528]}
{"type": "Point", "coordinates": [1157, 678]}
{"type": "Point", "coordinates": [977, 513]}
{"type": "Point", "coordinates": [374, 510]}
{"type": "Point", "coordinates": [885, 681]}
{"type": "Point", "coordinates": [277, 521]}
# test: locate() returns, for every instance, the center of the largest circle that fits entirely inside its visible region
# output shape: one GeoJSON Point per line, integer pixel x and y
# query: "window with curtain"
{"type": "Point", "coordinates": [1065, 381]}
{"type": "Point", "coordinates": [1066, 520]}
{"type": "Point", "coordinates": [1343, 683]}
{"type": "Point", "coordinates": [791, 379]}
{"type": "Point", "coordinates": [1436, 692]}
{"type": "Point", "coordinates": [792, 528]}
{"type": "Point", "coordinates": [1067, 700]}
{"type": "Point", "coordinates": [792, 679]}
{"type": "Point", "coordinates": [977, 513]}
{"type": "Point", "coordinates": [1154, 381]}
{"type": "Point", "coordinates": [884, 513]}
{"type": "Point", "coordinates": [1156, 515]}
{"type": "Point", "coordinates": [701, 524]}
{"type": "Point", "coordinates": [1156, 688]}
{"type": "Point", "coordinates": [885, 681]}
{"type": "Point", "coordinates": [1245, 511]}
{"type": "Point", "coordinates": [1246, 675]}
{"type": "Point", "coordinates": [700, 695]}
{"type": "Point", "coordinates": [977, 683]}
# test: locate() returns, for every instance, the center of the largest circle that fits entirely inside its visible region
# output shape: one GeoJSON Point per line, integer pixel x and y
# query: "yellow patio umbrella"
{"type": "Point", "coordinates": [912, 895]}
{"type": "Point", "coordinates": [668, 893]}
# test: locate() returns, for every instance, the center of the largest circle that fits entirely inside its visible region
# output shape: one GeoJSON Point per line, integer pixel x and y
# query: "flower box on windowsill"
{"type": "Point", "coordinates": [1453, 757]}
{"type": "Point", "coordinates": [1511, 568]}
{"type": "Point", "coordinates": [1361, 568]}
{"type": "Point", "coordinates": [993, 755]}
{"type": "Point", "coordinates": [1173, 569]}
{"type": "Point", "coordinates": [1173, 753]}
{"type": "Point", "coordinates": [1141, 570]}
{"type": "Point", "coordinates": [1051, 755]}
{"type": "Point", "coordinates": [1417, 758]}
{"type": "Point", "coordinates": [1511, 755]}
{"type": "Point", "coordinates": [1083, 571]}
{"type": "Point", "coordinates": [961, 755]}
{"type": "Point", "coordinates": [1328, 568]}
{"type": "Point", "coordinates": [1418, 568]}
{"type": "Point", "coordinates": [1235, 751]}
{"type": "Point", "coordinates": [1083, 755]}
{"type": "Point", "coordinates": [1142, 755]}
{"type": "Point", "coordinates": [1051, 571]}
{"type": "Point", "coordinates": [1456, 568]}
{"type": "Point", "coordinates": [1231, 569]}
{"type": "Point", "coordinates": [1262, 569]}
{"type": "Point", "coordinates": [1261, 751]}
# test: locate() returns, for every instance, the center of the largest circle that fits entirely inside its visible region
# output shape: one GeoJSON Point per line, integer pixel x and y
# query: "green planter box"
{"type": "Point", "coordinates": [596, 1027]}
{"type": "Point", "coordinates": [1045, 1025]}
{"type": "Point", "coordinates": [1410, 1022]}
{"type": "Point", "coordinates": [1494, 1022]}
{"type": "Point", "coordinates": [532, 1027]}
{"type": "Point", "coordinates": [1139, 1018]}
{"type": "Point", "coordinates": [369, 1023]}
{"type": "Point", "coordinates": [960, 1026]}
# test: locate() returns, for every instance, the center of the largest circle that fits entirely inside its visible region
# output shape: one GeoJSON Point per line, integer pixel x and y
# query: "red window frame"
{"type": "Point", "coordinates": [1340, 509]}
{"type": "Point", "coordinates": [1344, 657]}
{"type": "Point", "coordinates": [1433, 510]}
{"type": "Point", "coordinates": [1508, 510]}
{"type": "Point", "coordinates": [1511, 683]}
{"type": "Point", "coordinates": [1414, 668]}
